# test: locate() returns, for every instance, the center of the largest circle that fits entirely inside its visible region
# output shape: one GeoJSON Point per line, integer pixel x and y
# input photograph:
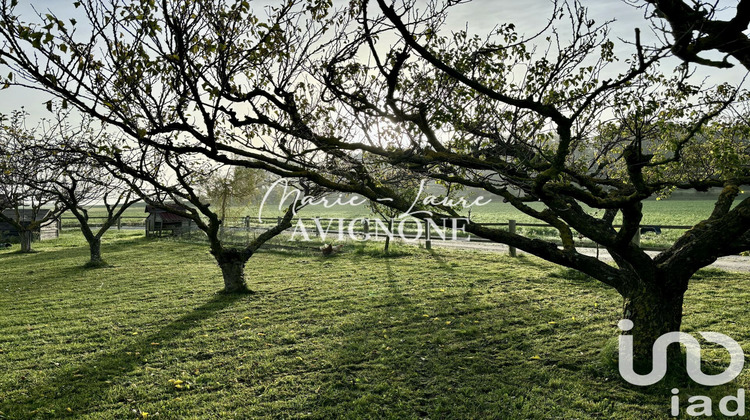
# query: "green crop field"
{"type": "Point", "coordinates": [663, 212]}
{"type": "Point", "coordinates": [419, 334]}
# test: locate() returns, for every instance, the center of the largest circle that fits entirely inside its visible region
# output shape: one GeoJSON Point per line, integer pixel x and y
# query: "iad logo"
{"type": "Point", "coordinates": [693, 349]}
{"type": "Point", "coordinates": [702, 405]}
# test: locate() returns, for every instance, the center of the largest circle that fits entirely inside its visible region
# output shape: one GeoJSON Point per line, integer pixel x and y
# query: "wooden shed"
{"type": "Point", "coordinates": [162, 222]}
{"type": "Point", "coordinates": [48, 230]}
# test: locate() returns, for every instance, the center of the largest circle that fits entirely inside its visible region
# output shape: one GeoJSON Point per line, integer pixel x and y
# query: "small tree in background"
{"type": "Point", "coordinates": [229, 188]}
{"type": "Point", "coordinates": [26, 177]}
{"type": "Point", "coordinates": [404, 184]}
{"type": "Point", "coordinates": [169, 181]}
{"type": "Point", "coordinates": [83, 181]}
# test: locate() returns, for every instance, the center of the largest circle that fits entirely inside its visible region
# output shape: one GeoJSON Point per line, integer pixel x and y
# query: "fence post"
{"type": "Point", "coordinates": [119, 223]}
{"type": "Point", "coordinates": [428, 242]}
{"type": "Point", "coordinates": [512, 230]}
{"type": "Point", "coordinates": [637, 237]}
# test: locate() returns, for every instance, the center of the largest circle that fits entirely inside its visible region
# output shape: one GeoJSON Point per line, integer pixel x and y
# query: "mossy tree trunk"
{"type": "Point", "coordinates": [232, 263]}
{"type": "Point", "coordinates": [232, 260]}
{"type": "Point", "coordinates": [95, 250]}
{"type": "Point", "coordinates": [654, 313]}
{"type": "Point", "coordinates": [95, 242]}
{"type": "Point", "coordinates": [26, 237]}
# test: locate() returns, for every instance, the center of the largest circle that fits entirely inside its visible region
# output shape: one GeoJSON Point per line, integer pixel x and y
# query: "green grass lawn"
{"type": "Point", "coordinates": [441, 334]}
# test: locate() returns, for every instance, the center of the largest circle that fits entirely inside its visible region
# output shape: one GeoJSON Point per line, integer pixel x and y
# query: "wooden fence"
{"type": "Point", "coordinates": [249, 224]}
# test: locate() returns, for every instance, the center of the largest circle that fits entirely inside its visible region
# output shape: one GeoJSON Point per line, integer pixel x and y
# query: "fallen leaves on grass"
{"type": "Point", "coordinates": [179, 384]}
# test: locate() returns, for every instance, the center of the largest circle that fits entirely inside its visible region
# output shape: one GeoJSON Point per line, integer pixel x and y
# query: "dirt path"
{"type": "Point", "coordinates": [731, 263]}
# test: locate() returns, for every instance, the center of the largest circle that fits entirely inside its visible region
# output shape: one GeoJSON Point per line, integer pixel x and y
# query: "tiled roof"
{"type": "Point", "coordinates": [172, 218]}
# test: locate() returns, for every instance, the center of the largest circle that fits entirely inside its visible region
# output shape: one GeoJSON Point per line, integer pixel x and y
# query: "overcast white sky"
{"type": "Point", "coordinates": [529, 16]}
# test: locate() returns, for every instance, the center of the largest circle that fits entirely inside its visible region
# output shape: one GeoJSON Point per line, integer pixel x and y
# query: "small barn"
{"type": "Point", "coordinates": [160, 222]}
{"type": "Point", "coordinates": [48, 230]}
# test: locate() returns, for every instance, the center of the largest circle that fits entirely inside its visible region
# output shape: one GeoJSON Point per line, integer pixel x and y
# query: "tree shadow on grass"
{"type": "Point", "coordinates": [453, 356]}
{"type": "Point", "coordinates": [17, 253]}
{"type": "Point", "coordinates": [396, 296]}
{"type": "Point", "coordinates": [83, 386]}
{"type": "Point", "coordinates": [440, 260]}
{"type": "Point", "coordinates": [52, 254]}
{"type": "Point", "coordinates": [530, 261]}
{"type": "Point", "coordinates": [578, 278]}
